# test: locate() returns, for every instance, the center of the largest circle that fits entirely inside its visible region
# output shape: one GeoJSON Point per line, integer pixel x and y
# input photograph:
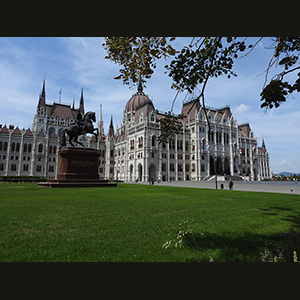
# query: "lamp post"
{"type": "Point", "coordinates": [216, 176]}
{"type": "Point", "coordinates": [216, 156]}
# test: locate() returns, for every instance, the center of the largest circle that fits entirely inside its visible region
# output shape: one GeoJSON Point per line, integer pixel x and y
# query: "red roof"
{"type": "Point", "coordinates": [244, 130]}
{"type": "Point", "coordinates": [189, 109]}
{"type": "Point", "coordinates": [137, 100]}
{"type": "Point", "coordinates": [28, 132]}
{"type": "Point", "coordinates": [61, 110]}
{"type": "Point", "coordinates": [146, 108]}
{"type": "Point", "coordinates": [4, 129]}
{"type": "Point", "coordinates": [17, 131]}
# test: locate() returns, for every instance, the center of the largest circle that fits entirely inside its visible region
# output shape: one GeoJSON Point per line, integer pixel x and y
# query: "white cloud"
{"type": "Point", "coordinates": [285, 166]}
{"type": "Point", "coordinates": [242, 109]}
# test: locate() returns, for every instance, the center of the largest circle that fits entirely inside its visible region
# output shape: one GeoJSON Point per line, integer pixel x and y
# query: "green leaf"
{"type": "Point", "coordinates": [242, 47]}
{"type": "Point", "coordinates": [154, 52]}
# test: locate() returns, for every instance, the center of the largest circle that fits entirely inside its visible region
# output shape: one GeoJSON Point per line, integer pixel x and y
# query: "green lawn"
{"type": "Point", "coordinates": [132, 222]}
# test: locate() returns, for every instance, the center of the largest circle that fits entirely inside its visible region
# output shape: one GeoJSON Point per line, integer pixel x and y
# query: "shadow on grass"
{"type": "Point", "coordinates": [227, 247]}
{"type": "Point", "coordinates": [249, 247]}
{"type": "Point", "coordinates": [293, 217]}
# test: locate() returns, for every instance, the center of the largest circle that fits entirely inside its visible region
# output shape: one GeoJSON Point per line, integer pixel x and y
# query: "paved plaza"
{"type": "Point", "coordinates": [286, 187]}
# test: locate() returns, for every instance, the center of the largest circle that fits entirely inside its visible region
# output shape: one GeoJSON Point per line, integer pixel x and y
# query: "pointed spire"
{"type": "Point", "coordinates": [264, 146]}
{"type": "Point", "coordinates": [42, 99]}
{"type": "Point", "coordinates": [43, 91]}
{"type": "Point", "coordinates": [81, 103]}
{"type": "Point", "coordinates": [111, 131]}
{"type": "Point", "coordinates": [100, 122]}
{"type": "Point", "coordinates": [140, 88]}
{"type": "Point", "coordinates": [81, 98]}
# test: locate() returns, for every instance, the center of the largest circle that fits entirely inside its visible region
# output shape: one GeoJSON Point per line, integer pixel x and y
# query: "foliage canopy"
{"type": "Point", "coordinates": [203, 58]}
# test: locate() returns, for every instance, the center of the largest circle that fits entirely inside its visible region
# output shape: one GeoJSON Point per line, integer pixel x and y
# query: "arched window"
{"type": "Point", "coordinates": [153, 140]}
{"type": "Point", "coordinates": [193, 145]}
{"type": "Point", "coordinates": [179, 144]}
{"type": "Point", "coordinates": [142, 117]}
{"type": "Point", "coordinates": [25, 147]}
{"type": "Point", "coordinates": [13, 145]}
{"type": "Point", "coordinates": [141, 142]}
{"type": "Point", "coordinates": [51, 129]}
{"type": "Point", "coordinates": [131, 144]}
{"type": "Point", "coordinates": [211, 136]}
{"type": "Point", "coordinates": [40, 149]}
{"type": "Point", "coordinates": [193, 167]}
{"type": "Point", "coordinates": [219, 137]}
{"type": "Point", "coordinates": [172, 144]}
{"type": "Point", "coordinates": [152, 117]}
{"type": "Point", "coordinates": [186, 145]}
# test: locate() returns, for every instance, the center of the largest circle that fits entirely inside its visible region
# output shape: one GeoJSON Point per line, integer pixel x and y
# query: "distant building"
{"type": "Point", "coordinates": [132, 152]}
{"type": "Point", "coordinates": [264, 162]}
{"type": "Point", "coordinates": [34, 152]}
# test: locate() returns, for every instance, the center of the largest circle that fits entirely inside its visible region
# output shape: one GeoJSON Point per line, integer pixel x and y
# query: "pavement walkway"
{"type": "Point", "coordinates": [285, 187]}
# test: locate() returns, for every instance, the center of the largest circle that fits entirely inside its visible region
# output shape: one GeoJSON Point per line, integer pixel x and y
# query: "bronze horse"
{"type": "Point", "coordinates": [74, 131]}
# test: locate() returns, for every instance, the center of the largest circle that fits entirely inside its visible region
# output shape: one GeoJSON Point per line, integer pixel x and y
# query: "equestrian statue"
{"type": "Point", "coordinates": [83, 125]}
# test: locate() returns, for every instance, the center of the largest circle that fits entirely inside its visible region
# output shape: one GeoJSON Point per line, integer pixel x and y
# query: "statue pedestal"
{"type": "Point", "coordinates": [78, 167]}
{"type": "Point", "coordinates": [78, 163]}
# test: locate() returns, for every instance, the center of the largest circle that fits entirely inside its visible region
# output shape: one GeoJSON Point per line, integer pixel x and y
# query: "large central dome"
{"type": "Point", "coordinates": [139, 99]}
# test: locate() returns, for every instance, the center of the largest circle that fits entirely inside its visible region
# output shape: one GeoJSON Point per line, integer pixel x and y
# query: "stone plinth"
{"type": "Point", "coordinates": [78, 163]}
{"type": "Point", "coordinates": [78, 167]}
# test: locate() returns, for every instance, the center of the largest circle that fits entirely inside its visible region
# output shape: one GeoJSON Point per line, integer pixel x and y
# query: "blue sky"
{"type": "Point", "coordinates": [72, 63]}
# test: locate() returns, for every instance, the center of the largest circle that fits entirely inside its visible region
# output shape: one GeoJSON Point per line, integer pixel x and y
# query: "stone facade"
{"type": "Point", "coordinates": [196, 153]}
{"type": "Point", "coordinates": [132, 152]}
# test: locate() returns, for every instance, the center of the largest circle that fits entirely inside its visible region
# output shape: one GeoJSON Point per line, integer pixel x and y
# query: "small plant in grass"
{"type": "Point", "coordinates": [295, 257]}
{"type": "Point", "coordinates": [282, 249]}
{"type": "Point", "coordinates": [177, 233]}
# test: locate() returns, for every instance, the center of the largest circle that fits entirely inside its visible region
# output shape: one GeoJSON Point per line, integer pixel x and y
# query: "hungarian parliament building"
{"type": "Point", "coordinates": [131, 153]}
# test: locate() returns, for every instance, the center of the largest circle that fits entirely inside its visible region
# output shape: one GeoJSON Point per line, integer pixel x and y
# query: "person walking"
{"type": "Point", "coordinates": [230, 184]}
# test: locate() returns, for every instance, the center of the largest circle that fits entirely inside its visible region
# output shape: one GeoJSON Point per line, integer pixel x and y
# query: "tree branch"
{"type": "Point", "coordinates": [251, 48]}
{"type": "Point", "coordinates": [292, 70]}
{"type": "Point", "coordinates": [205, 82]}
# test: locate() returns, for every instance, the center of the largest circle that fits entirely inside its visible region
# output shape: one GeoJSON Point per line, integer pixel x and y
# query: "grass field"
{"type": "Point", "coordinates": [132, 222]}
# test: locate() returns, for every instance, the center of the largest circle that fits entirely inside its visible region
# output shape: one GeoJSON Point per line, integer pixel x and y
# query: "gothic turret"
{"type": "Point", "coordinates": [81, 103]}
{"type": "Point", "coordinates": [111, 132]}
{"type": "Point", "coordinates": [40, 118]}
{"type": "Point", "coordinates": [42, 99]}
{"type": "Point", "coordinates": [264, 149]}
{"type": "Point", "coordinates": [100, 122]}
